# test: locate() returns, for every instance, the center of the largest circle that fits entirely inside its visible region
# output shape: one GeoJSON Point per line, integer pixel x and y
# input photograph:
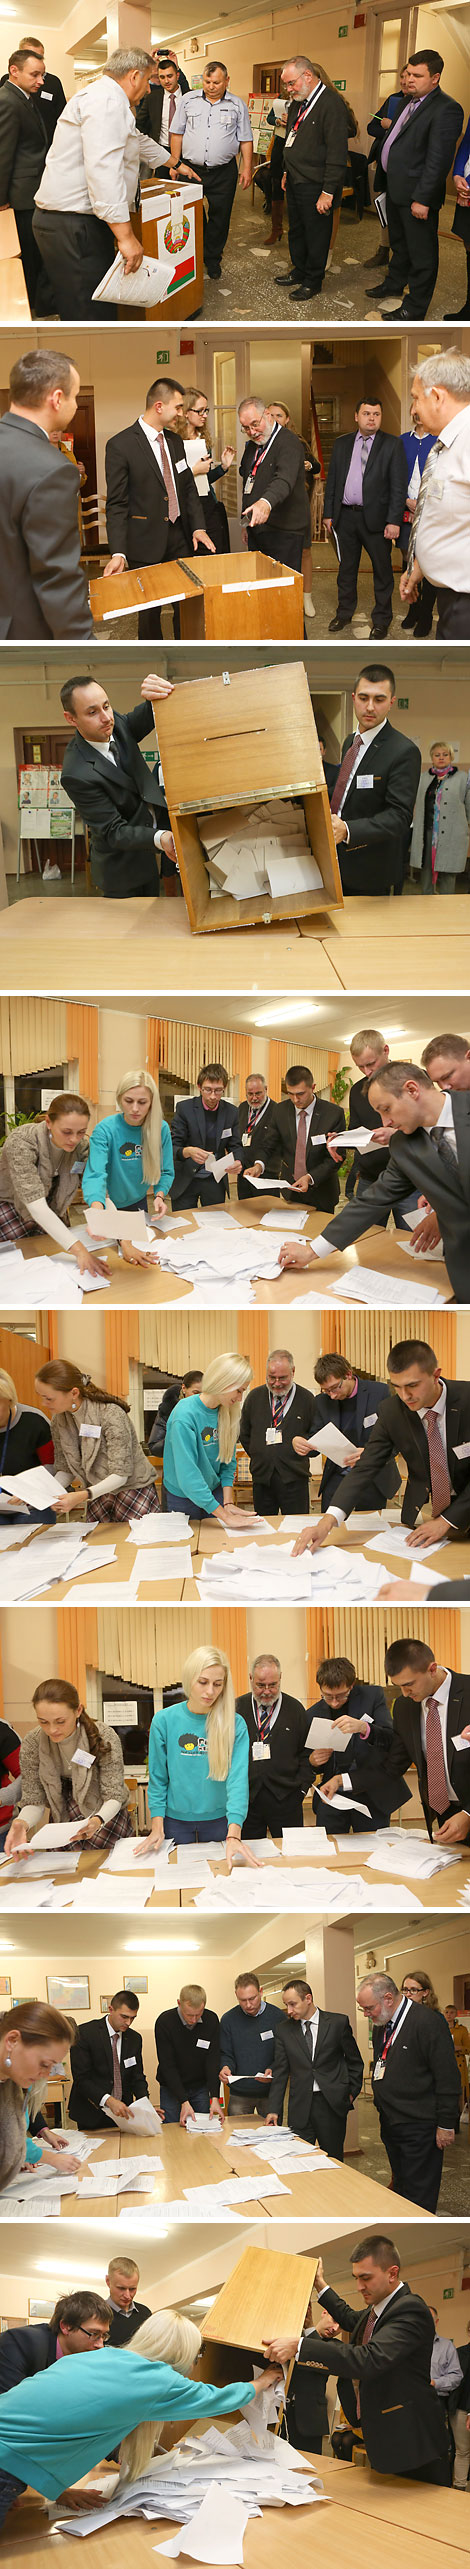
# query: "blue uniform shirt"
{"type": "Point", "coordinates": [211, 133]}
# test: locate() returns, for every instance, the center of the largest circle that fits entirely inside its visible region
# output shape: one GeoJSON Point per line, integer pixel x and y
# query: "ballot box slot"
{"type": "Point", "coordinates": [189, 574]}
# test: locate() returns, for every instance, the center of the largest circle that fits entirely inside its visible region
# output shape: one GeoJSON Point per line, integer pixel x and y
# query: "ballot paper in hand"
{"type": "Point", "coordinates": [37, 1488]}
{"type": "Point", "coordinates": [338, 1448]}
{"type": "Point", "coordinates": [143, 2117]}
{"type": "Point", "coordinates": [394, 1538]}
{"type": "Point", "coordinates": [107, 1222]}
{"type": "Point", "coordinates": [218, 1168]}
{"type": "Point", "coordinates": [57, 1833]}
{"type": "Point", "coordinates": [147, 285]}
{"type": "Point", "coordinates": [130, 1851]}
{"type": "Point", "coordinates": [323, 1734]}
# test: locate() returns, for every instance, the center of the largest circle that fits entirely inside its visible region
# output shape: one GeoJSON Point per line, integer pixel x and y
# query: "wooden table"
{"type": "Point", "coordinates": [438, 1893]}
{"type": "Point", "coordinates": [202, 2159]}
{"type": "Point", "coordinates": [156, 1285]}
{"type": "Point", "coordinates": [367, 948]}
{"type": "Point", "coordinates": [366, 2514]}
{"type": "Point", "coordinates": [207, 1538]}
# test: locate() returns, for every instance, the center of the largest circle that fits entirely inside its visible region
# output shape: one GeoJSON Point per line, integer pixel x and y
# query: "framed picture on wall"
{"type": "Point", "coordinates": [5, 1985]}
{"type": "Point", "coordinates": [68, 1995]}
{"type": "Point", "coordinates": [104, 2004]}
{"type": "Point", "coordinates": [136, 1980]}
{"type": "Point", "coordinates": [40, 2309]}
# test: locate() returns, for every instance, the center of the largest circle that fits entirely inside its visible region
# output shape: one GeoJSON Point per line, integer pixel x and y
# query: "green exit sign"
{"type": "Point", "coordinates": [163, 356]}
{"type": "Point", "coordinates": [340, 84]}
{"type": "Point", "coordinates": [448, 2293]}
{"type": "Point", "coordinates": [404, 702]}
{"type": "Point", "coordinates": [343, 31]}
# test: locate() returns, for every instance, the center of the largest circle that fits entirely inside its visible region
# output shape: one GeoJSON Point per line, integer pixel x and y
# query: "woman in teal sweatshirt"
{"type": "Point", "coordinates": [130, 1154]}
{"type": "Point", "coordinates": [201, 1446]}
{"type": "Point", "coordinates": [58, 2424]}
{"type": "Point", "coordinates": [198, 1760]}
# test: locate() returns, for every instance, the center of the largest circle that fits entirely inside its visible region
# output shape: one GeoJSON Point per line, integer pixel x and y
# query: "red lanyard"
{"type": "Point", "coordinates": [305, 111]}
{"type": "Point", "coordinates": [395, 2029]}
{"type": "Point", "coordinates": [263, 451]}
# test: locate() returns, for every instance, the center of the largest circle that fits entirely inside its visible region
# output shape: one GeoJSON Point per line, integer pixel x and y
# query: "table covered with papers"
{"type": "Point", "coordinates": [229, 2173]}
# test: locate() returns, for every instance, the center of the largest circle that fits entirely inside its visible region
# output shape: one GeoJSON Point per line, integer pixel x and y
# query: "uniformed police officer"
{"type": "Point", "coordinates": [213, 125]}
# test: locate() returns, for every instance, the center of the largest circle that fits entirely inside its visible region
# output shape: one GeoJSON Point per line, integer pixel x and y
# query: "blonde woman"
{"type": "Point", "coordinates": [95, 1447]}
{"type": "Point", "coordinates": [64, 2420]}
{"type": "Point", "coordinates": [201, 1445]}
{"type": "Point", "coordinates": [41, 1167]}
{"type": "Point", "coordinates": [71, 1769]}
{"type": "Point", "coordinates": [198, 1760]}
{"type": "Point", "coordinates": [31, 2036]}
{"type": "Point", "coordinates": [130, 1155]}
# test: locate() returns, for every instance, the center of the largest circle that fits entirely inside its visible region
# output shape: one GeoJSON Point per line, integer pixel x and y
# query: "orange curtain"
{"type": "Point", "coordinates": [445, 1636]}
{"type": "Point", "coordinates": [315, 1648]}
{"type": "Point", "coordinates": [77, 1644]}
{"type": "Point", "coordinates": [82, 1044]}
{"type": "Point", "coordinates": [152, 1055]}
{"type": "Point", "coordinates": [253, 1341]}
{"type": "Point", "coordinates": [242, 1059]}
{"type": "Point", "coordinates": [277, 1066]}
{"type": "Point", "coordinates": [228, 1628]}
{"type": "Point", "coordinates": [122, 1344]}
{"type": "Point", "coordinates": [333, 1066]}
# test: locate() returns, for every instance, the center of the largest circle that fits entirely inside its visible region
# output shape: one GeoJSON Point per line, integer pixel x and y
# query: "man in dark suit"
{"type": "Point", "coordinates": [430, 1150]}
{"type": "Point", "coordinates": [118, 796]}
{"type": "Point", "coordinates": [23, 147]}
{"type": "Point", "coordinates": [279, 1773]}
{"type": "Point", "coordinates": [374, 794]}
{"type": "Point", "coordinates": [51, 97]}
{"type": "Point", "coordinates": [80, 2321]}
{"type": "Point", "coordinates": [426, 1420]}
{"type": "Point", "coordinates": [153, 511]}
{"type": "Point", "coordinates": [43, 593]}
{"type": "Point", "coordinates": [319, 2055]}
{"type": "Point", "coordinates": [155, 115]}
{"type": "Point", "coordinates": [415, 161]}
{"type": "Point", "coordinates": [204, 1128]}
{"type": "Point", "coordinates": [365, 495]}
{"type": "Point", "coordinates": [316, 159]}
{"type": "Point", "coordinates": [107, 2067]}
{"type": "Point", "coordinates": [275, 507]}
{"type": "Point", "coordinates": [275, 1416]}
{"type": "Point", "coordinates": [253, 1119]}
{"type": "Point", "coordinates": [359, 1767]}
{"type": "Point", "coordinates": [384, 2374]}
{"type": "Point", "coordinates": [126, 2314]}
{"type": "Point", "coordinates": [431, 1715]}
{"type": "Point", "coordinates": [416, 2086]}
{"type": "Point", "coordinates": [290, 1151]}
{"type": "Point", "coordinates": [344, 1401]}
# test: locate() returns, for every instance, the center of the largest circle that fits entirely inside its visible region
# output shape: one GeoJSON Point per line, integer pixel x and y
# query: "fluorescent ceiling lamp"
{"type": "Point", "coordinates": [287, 1010]}
{"type": "Point", "coordinates": [167, 1945]}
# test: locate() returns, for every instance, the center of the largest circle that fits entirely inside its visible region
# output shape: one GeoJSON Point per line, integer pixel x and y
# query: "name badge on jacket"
{"type": "Point", "coordinates": [202, 2045]}
{"type": "Point", "coordinates": [365, 782]}
{"type": "Point", "coordinates": [130, 2060]}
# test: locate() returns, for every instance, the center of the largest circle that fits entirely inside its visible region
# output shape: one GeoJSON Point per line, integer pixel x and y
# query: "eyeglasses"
{"type": "Point", "coordinates": [96, 2336]}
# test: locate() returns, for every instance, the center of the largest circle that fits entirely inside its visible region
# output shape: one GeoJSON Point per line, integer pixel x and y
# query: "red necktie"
{"type": "Point", "coordinates": [437, 1786]}
{"type": "Point", "coordinates": [440, 1483]}
{"type": "Point", "coordinates": [345, 772]}
{"type": "Point", "coordinates": [117, 2080]}
{"type": "Point", "coordinates": [300, 1162]}
{"type": "Point", "coordinates": [366, 2334]}
{"type": "Point", "coordinates": [173, 510]}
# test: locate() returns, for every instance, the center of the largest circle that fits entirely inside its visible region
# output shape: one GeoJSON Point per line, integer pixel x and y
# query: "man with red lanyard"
{"type": "Point", "coordinates": [316, 157]}
{"type": "Point", "coordinates": [275, 510]}
{"type": "Point", "coordinates": [416, 2086]}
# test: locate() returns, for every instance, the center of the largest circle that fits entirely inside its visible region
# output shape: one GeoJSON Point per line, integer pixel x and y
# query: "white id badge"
{"type": "Point", "coordinates": [273, 1436]}
{"type": "Point", "coordinates": [182, 468]}
{"type": "Point", "coordinates": [246, 1137]}
{"type": "Point", "coordinates": [269, 2037]}
{"type": "Point", "coordinates": [289, 140]}
{"type": "Point", "coordinates": [261, 1749]}
{"type": "Point", "coordinates": [93, 1432]}
{"type": "Point", "coordinates": [364, 781]}
{"type": "Point", "coordinates": [249, 483]}
{"type": "Point", "coordinates": [202, 2045]}
{"type": "Point", "coordinates": [82, 1757]}
{"type": "Point", "coordinates": [371, 1420]}
{"type": "Point", "coordinates": [379, 2071]}
{"type": "Point", "coordinates": [130, 2060]}
{"type": "Point", "coordinates": [461, 1453]}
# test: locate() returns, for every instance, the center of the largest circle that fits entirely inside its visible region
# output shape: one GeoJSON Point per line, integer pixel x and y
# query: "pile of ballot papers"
{"type": "Point", "coordinates": [264, 1572]}
{"type": "Point", "coordinates": [221, 2478]}
{"type": "Point", "coordinates": [60, 1552]}
{"type": "Point", "coordinates": [45, 1284]}
{"type": "Point", "coordinates": [259, 847]}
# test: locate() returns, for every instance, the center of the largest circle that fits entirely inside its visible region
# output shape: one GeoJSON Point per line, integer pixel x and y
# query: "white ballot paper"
{"type": "Point", "coordinates": [159, 1565]}
{"type": "Point", "coordinates": [344, 1802]}
{"type": "Point", "coordinates": [394, 1539]}
{"type": "Point", "coordinates": [338, 1448]}
{"type": "Point", "coordinates": [210, 2536]}
{"type": "Point", "coordinates": [367, 1284]}
{"type": "Point", "coordinates": [290, 1221]}
{"type": "Point", "coordinates": [37, 1489]}
{"type": "Point", "coordinates": [144, 2117]}
{"type": "Point", "coordinates": [218, 1168]}
{"type": "Point", "coordinates": [323, 1734]}
{"type": "Point", "coordinates": [108, 1223]}
{"type": "Point", "coordinates": [57, 1833]}
{"type": "Point", "coordinates": [171, 1528]}
{"type": "Point", "coordinates": [245, 2463]}
{"type": "Point", "coordinates": [130, 1851]}
{"type": "Point", "coordinates": [147, 285]}
{"type": "Point", "coordinates": [306, 1844]}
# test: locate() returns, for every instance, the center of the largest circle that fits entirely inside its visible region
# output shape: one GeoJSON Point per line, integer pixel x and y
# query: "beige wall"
{"type": "Point", "coordinates": [166, 1973]}
{"type": "Point", "coordinates": [182, 2268]}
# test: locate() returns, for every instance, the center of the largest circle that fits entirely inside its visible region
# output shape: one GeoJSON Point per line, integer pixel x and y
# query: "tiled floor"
{"type": "Point", "coordinates": [247, 288]}
{"type": "Point", "coordinates": [455, 2187]}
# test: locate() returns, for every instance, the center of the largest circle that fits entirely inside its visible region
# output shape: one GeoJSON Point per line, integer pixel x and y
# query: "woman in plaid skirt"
{"type": "Point", "coordinates": [41, 1167]}
{"type": "Point", "coordinates": [70, 1770]}
{"type": "Point", "coordinates": [95, 1447]}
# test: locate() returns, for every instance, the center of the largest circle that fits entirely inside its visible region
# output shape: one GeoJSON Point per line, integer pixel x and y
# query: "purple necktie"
{"type": "Point", "coordinates": [398, 128]}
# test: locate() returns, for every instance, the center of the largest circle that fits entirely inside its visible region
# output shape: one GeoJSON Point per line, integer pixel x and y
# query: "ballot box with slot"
{"type": "Point", "coordinates": [221, 597]}
{"type": "Point", "coordinates": [170, 228]}
{"type": "Point", "coordinates": [227, 743]}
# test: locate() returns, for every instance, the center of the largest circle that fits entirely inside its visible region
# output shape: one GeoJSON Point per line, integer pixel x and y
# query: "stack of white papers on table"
{"type": "Point", "coordinates": [223, 1257]}
{"type": "Point", "coordinates": [161, 2214]}
{"type": "Point", "coordinates": [290, 1221]}
{"type": "Point", "coordinates": [260, 1572]}
{"type": "Point", "coordinates": [136, 1851]}
{"type": "Point", "coordinates": [336, 1893]}
{"type": "Point", "coordinates": [52, 1555]}
{"type": "Point", "coordinates": [396, 1539]}
{"type": "Point", "coordinates": [306, 1845]}
{"type": "Point", "coordinates": [246, 2466]}
{"type": "Point", "coordinates": [367, 1284]}
{"type": "Point", "coordinates": [152, 1530]}
{"type": "Point", "coordinates": [417, 1859]}
{"type": "Point", "coordinates": [158, 1565]}
{"type": "Point", "coordinates": [234, 2190]}
{"type": "Point", "coordinates": [116, 1897]}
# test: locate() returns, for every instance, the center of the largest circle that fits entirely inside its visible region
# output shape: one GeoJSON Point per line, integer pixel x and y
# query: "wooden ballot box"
{"type": "Point", "coordinates": [171, 229]}
{"type": "Point", "coordinates": [233, 740]}
{"type": "Point", "coordinates": [222, 597]}
{"type": "Point", "coordinates": [267, 2295]}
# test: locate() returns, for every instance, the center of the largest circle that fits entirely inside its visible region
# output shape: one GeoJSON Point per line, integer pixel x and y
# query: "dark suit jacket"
{"type": "Point", "coordinates": [423, 154]}
{"type": "Point", "coordinates": [50, 100]}
{"type": "Point", "coordinates": [279, 1150]}
{"type": "Point", "coordinates": [402, 1431]}
{"type": "Point", "coordinates": [319, 154]}
{"type": "Point", "coordinates": [367, 1762]}
{"type": "Point", "coordinates": [281, 480]}
{"type": "Point", "coordinates": [356, 1417]}
{"type": "Point", "coordinates": [379, 816]}
{"type": "Point", "coordinates": [137, 502]}
{"type": "Point", "coordinates": [25, 2351]}
{"type": "Point", "coordinates": [149, 113]}
{"type": "Point", "coordinates": [402, 2417]}
{"type": "Point", "coordinates": [23, 146]}
{"type": "Point", "coordinates": [337, 2068]}
{"type": "Point", "coordinates": [413, 1162]}
{"type": "Point", "coordinates": [361, 1112]}
{"type": "Point", "coordinates": [118, 804]}
{"type": "Point", "coordinates": [257, 1416]}
{"type": "Point", "coordinates": [407, 1750]}
{"type": "Point", "coordinates": [91, 2062]}
{"type": "Point", "coordinates": [190, 1125]}
{"type": "Point", "coordinates": [43, 591]}
{"type": "Point", "coordinates": [289, 1764]}
{"type": "Point", "coordinates": [421, 2082]}
{"type": "Point", "coordinates": [385, 481]}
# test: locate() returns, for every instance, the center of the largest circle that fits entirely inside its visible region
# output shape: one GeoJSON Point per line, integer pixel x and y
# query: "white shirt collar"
{"type": "Point", "coordinates": [439, 1406]}
{"type": "Point", "coordinates": [379, 2306]}
{"type": "Point", "coordinates": [367, 736]}
{"type": "Point", "coordinates": [111, 2030]}
{"type": "Point", "coordinates": [440, 1693]}
{"type": "Point", "coordinates": [446, 435]}
{"type": "Point", "coordinates": [445, 1121]}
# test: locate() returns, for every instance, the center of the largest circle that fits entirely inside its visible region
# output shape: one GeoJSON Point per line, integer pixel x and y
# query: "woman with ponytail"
{"type": "Point", "coordinates": [201, 1446]}
{"type": "Point", "coordinates": [32, 2037]}
{"type": "Point", "coordinates": [70, 1770]}
{"type": "Point", "coordinates": [198, 1761]}
{"type": "Point", "coordinates": [95, 1447]}
{"type": "Point", "coordinates": [41, 1169]}
{"type": "Point", "coordinates": [130, 1156]}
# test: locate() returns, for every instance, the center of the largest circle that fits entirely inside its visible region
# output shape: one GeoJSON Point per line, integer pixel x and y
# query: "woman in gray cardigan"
{"type": "Point", "coordinates": [70, 1770]}
{"type": "Point", "coordinates": [439, 845]}
{"type": "Point", "coordinates": [95, 1447]}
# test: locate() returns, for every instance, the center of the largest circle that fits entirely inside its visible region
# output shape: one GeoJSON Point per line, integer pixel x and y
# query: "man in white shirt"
{"type": "Point", "coordinates": [90, 186]}
{"type": "Point", "coordinates": [439, 547]}
{"type": "Point", "coordinates": [430, 1148]}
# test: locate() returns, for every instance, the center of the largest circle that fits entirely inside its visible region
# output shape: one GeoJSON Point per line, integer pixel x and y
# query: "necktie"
{"type": "Point", "coordinates": [366, 2335]}
{"type": "Point", "coordinates": [441, 1144]}
{"type": "Point", "coordinates": [309, 2038]}
{"type": "Point", "coordinates": [277, 1406]}
{"type": "Point", "coordinates": [437, 1786]}
{"type": "Point", "coordinates": [426, 478]}
{"type": "Point", "coordinates": [171, 111]}
{"type": "Point", "coordinates": [252, 1114]}
{"type": "Point", "coordinates": [440, 1483]}
{"type": "Point", "coordinates": [398, 128]}
{"type": "Point", "coordinates": [345, 772]}
{"type": "Point", "coordinates": [173, 510]}
{"type": "Point", "coordinates": [300, 1162]}
{"type": "Point", "coordinates": [364, 454]}
{"type": "Point", "coordinates": [117, 2080]}
{"type": "Point", "coordinates": [263, 1716]}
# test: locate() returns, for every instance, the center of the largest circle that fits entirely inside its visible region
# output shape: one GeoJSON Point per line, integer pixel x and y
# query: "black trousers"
{"type": "Point", "coordinates": [339, 1823]}
{"type": "Point", "coordinates": [353, 538]}
{"type": "Point", "coordinates": [9, 2490]}
{"type": "Point", "coordinates": [415, 255]}
{"type": "Point", "coordinates": [273, 1492]}
{"type": "Point", "coordinates": [415, 2160]}
{"type": "Point", "coordinates": [267, 1811]}
{"type": "Point", "coordinates": [36, 281]}
{"type": "Point", "coordinates": [220, 187]}
{"type": "Point", "coordinates": [309, 232]}
{"type": "Point", "coordinates": [453, 615]}
{"type": "Point", "coordinates": [258, 2102]}
{"type": "Point", "coordinates": [77, 250]}
{"type": "Point", "coordinates": [282, 546]}
{"type": "Point", "coordinates": [324, 2125]}
{"type": "Point", "coordinates": [375, 869]}
{"type": "Point", "coordinates": [120, 882]}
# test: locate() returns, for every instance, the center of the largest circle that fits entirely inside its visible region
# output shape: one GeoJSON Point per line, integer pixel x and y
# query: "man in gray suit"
{"type": "Point", "coordinates": [43, 593]}
{"type": "Point", "coordinates": [430, 1148]}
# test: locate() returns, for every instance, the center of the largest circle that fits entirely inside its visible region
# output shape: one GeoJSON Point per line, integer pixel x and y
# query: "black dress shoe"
{"type": "Point", "coordinates": [289, 276]}
{"type": "Point", "coordinates": [402, 313]}
{"type": "Point", "coordinates": [339, 623]}
{"type": "Point", "coordinates": [377, 293]}
{"type": "Point", "coordinates": [380, 259]}
{"type": "Point", "coordinates": [408, 621]}
{"type": "Point", "coordinates": [305, 293]}
{"type": "Point", "coordinates": [212, 272]}
{"type": "Point", "coordinates": [378, 632]}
